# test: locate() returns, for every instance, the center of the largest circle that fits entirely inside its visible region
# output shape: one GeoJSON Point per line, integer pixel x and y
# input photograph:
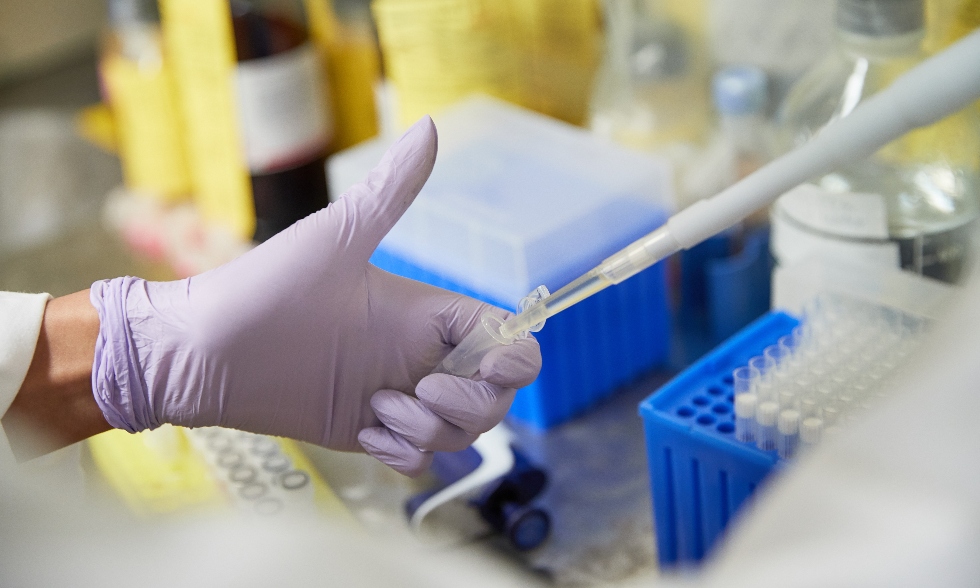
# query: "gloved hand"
{"type": "Point", "coordinates": [302, 337]}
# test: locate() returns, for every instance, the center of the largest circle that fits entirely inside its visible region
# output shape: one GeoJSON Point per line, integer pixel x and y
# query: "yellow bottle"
{"type": "Point", "coordinates": [350, 53]}
{"type": "Point", "coordinates": [540, 54]}
{"type": "Point", "coordinates": [140, 92]}
{"type": "Point", "coordinates": [255, 110]}
{"type": "Point", "coordinates": [652, 90]}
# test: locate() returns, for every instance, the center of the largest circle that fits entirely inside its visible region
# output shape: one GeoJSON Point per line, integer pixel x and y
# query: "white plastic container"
{"type": "Point", "coordinates": [517, 199]}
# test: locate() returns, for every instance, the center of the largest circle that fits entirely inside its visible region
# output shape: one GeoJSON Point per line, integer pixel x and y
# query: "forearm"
{"type": "Point", "coordinates": [55, 407]}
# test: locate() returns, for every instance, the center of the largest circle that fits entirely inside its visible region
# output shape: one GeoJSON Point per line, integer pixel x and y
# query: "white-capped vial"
{"type": "Point", "coordinates": [811, 430]}
{"type": "Point", "coordinates": [765, 391]}
{"type": "Point", "coordinates": [803, 384]}
{"type": "Point", "coordinates": [801, 336]}
{"type": "Point", "coordinates": [745, 407]}
{"type": "Point", "coordinates": [743, 380]}
{"type": "Point", "coordinates": [817, 370]}
{"type": "Point", "coordinates": [766, 415]}
{"type": "Point", "coordinates": [781, 379]}
{"type": "Point", "coordinates": [860, 389]}
{"type": "Point", "coordinates": [787, 344]}
{"type": "Point", "coordinates": [788, 433]}
{"type": "Point", "coordinates": [831, 415]}
{"type": "Point", "coordinates": [761, 366]}
{"type": "Point", "coordinates": [788, 399]}
{"type": "Point", "coordinates": [777, 356]}
{"type": "Point", "coordinates": [810, 407]}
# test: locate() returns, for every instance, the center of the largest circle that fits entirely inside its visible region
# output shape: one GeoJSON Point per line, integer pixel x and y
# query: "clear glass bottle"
{"type": "Point", "coordinates": [913, 202]}
{"type": "Point", "coordinates": [651, 89]}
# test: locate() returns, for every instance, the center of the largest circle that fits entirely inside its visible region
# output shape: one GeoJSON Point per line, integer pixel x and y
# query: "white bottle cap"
{"type": "Point", "coordinates": [789, 422]}
{"type": "Point", "coordinates": [767, 413]}
{"type": "Point", "coordinates": [811, 430]}
{"type": "Point", "coordinates": [745, 405]}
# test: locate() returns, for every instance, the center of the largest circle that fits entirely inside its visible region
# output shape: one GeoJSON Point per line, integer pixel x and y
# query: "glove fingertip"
{"type": "Point", "coordinates": [473, 406]}
{"type": "Point", "coordinates": [394, 451]}
{"type": "Point", "coordinates": [512, 366]}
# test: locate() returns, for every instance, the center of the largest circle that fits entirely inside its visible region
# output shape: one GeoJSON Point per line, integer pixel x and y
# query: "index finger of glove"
{"type": "Point", "coordinates": [512, 366]}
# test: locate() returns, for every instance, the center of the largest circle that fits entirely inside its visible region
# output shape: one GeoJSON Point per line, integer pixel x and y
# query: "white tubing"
{"type": "Point", "coordinates": [496, 460]}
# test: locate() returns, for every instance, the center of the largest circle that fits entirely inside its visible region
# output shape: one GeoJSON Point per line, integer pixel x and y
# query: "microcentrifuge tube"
{"type": "Point", "coordinates": [761, 365]}
{"type": "Point", "coordinates": [765, 390]}
{"type": "Point", "coordinates": [745, 408]}
{"type": "Point", "coordinates": [742, 380]}
{"type": "Point", "coordinates": [788, 399]}
{"type": "Point", "coordinates": [801, 336]}
{"type": "Point", "coordinates": [766, 416]}
{"type": "Point", "coordinates": [831, 415]}
{"type": "Point", "coordinates": [777, 357]}
{"type": "Point", "coordinates": [809, 407]}
{"type": "Point", "coordinates": [811, 429]}
{"type": "Point", "coordinates": [788, 433]}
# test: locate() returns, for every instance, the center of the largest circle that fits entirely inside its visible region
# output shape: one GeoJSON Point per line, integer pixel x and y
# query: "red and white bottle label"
{"type": "Point", "coordinates": [282, 110]}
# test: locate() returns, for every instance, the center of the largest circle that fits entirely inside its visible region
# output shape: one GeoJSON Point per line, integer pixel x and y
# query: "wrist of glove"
{"type": "Point", "coordinates": [301, 337]}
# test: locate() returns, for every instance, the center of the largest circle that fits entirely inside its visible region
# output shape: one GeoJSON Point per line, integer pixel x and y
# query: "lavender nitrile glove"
{"type": "Point", "coordinates": [302, 337]}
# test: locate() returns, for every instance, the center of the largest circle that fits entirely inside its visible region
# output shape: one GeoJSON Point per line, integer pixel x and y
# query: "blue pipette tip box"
{"type": "Point", "coordinates": [517, 200]}
{"type": "Point", "coordinates": [699, 473]}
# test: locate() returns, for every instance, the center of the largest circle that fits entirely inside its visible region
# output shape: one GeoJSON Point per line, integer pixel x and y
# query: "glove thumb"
{"type": "Point", "coordinates": [375, 205]}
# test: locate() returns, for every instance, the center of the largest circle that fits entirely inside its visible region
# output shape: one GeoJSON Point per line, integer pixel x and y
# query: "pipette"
{"type": "Point", "coordinates": [934, 89]}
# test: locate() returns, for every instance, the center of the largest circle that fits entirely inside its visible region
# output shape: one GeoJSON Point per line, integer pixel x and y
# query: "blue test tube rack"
{"type": "Point", "coordinates": [700, 475]}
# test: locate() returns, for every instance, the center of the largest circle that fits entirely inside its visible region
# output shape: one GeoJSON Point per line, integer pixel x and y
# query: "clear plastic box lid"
{"type": "Point", "coordinates": [518, 199]}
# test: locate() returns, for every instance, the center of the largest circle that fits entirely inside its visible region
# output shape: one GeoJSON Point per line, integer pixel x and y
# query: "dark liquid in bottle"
{"type": "Point", "coordinates": [282, 197]}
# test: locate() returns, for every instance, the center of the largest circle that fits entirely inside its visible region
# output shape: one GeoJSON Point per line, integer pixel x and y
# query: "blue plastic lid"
{"type": "Point", "coordinates": [527, 528]}
{"type": "Point", "coordinates": [740, 90]}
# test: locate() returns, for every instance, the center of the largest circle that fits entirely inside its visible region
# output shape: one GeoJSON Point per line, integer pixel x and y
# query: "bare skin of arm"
{"type": "Point", "coordinates": [55, 407]}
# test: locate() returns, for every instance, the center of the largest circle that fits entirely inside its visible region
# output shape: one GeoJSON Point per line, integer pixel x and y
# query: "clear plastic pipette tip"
{"type": "Point", "coordinates": [632, 259]}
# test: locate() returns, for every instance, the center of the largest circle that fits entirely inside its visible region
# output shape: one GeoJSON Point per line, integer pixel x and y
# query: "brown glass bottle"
{"type": "Point", "coordinates": [278, 87]}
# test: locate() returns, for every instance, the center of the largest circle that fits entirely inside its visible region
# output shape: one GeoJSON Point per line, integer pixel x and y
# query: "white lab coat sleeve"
{"type": "Point", "coordinates": [20, 323]}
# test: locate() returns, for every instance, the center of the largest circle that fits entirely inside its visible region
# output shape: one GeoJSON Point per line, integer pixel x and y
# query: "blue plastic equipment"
{"type": "Point", "coordinates": [699, 474]}
{"type": "Point", "coordinates": [507, 504]}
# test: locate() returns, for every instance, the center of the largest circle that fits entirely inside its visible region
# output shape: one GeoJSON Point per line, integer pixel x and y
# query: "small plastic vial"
{"type": "Point", "coordinates": [743, 379]}
{"type": "Point", "coordinates": [766, 416]}
{"type": "Point", "coordinates": [788, 433]}
{"type": "Point", "coordinates": [745, 407]}
{"type": "Point", "coordinates": [810, 407]}
{"type": "Point", "coordinates": [788, 399]}
{"type": "Point", "coordinates": [811, 430]}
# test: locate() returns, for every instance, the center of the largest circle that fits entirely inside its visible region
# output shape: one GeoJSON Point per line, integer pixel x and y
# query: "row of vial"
{"type": "Point", "coordinates": [831, 367]}
{"type": "Point", "coordinates": [257, 476]}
